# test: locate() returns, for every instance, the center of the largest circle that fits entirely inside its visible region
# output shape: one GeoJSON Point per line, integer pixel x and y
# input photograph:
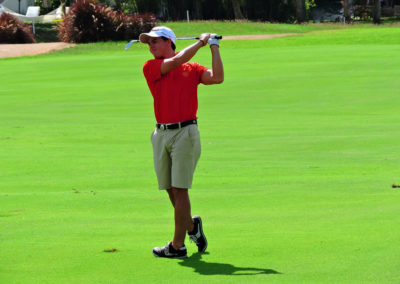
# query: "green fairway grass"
{"type": "Point", "coordinates": [300, 148]}
{"type": "Point", "coordinates": [244, 28]}
{"type": "Point", "coordinates": [250, 28]}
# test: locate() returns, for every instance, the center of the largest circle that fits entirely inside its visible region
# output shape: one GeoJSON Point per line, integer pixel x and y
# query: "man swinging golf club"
{"type": "Point", "coordinates": [173, 82]}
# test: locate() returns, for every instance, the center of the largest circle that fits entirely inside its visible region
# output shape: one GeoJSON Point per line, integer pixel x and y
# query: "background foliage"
{"type": "Point", "coordinates": [290, 11]}
{"type": "Point", "coordinates": [88, 21]}
{"type": "Point", "coordinates": [13, 30]}
{"type": "Point", "coordinates": [273, 10]}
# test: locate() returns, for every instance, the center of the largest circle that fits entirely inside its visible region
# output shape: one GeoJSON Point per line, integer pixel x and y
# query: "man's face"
{"type": "Point", "coordinates": [159, 47]}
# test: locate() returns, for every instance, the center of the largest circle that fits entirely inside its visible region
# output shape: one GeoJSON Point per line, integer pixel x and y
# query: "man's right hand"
{"type": "Point", "coordinates": [204, 38]}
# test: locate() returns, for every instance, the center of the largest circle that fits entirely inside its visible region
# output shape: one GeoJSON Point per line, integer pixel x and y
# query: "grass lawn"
{"type": "Point", "coordinates": [300, 148]}
{"type": "Point", "coordinates": [47, 32]}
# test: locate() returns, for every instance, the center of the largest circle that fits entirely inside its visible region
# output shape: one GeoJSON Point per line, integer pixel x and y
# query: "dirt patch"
{"type": "Point", "coordinates": [254, 37]}
{"type": "Point", "coordinates": [17, 50]}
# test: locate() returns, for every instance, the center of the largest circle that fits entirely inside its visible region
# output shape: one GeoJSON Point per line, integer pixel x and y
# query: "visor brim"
{"type": "Point", "coordinates": [145, 38]}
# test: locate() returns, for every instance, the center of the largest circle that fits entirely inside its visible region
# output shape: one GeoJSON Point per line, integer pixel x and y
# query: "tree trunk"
{"type": "Point", "coordinates": [300, 10]}
{"type": "Point", "coordinates": [164, 13]}
{"type": "Point", "coordinates": [346, 11]}
{"type": "Point", "coordinates": [198, 14]}
{"type": "Point", "coordinates": [377, 12]}
{"type": "Point", "coordinates": [236, 10]}
{"type": "Point", "coordinates": [63, 10]}
{"type": "Point", "coordinates": [46, 4]}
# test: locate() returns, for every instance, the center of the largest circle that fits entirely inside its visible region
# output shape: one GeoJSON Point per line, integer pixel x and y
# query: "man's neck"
{"type": "Point", "coordinates": [170, 54]}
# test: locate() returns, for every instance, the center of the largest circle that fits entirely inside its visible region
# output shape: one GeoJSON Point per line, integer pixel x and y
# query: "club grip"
{"type": "Point", "coordinates": [216, 37]}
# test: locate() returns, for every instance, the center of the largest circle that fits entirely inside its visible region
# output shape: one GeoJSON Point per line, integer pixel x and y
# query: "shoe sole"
{"type": "Point", "coordinates": [202, 233]}
{"type": "Point", "coordinates": [175, 257]}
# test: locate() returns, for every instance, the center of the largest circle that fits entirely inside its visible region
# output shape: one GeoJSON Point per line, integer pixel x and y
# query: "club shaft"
{"type": "Point", "coordinates": [217, 37]}
{"type": "Point", "coordinates": [179, 38]}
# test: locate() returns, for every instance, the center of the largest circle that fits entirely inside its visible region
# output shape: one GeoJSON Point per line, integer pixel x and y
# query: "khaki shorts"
{"type": "Point", "coordinates": [175, 153]}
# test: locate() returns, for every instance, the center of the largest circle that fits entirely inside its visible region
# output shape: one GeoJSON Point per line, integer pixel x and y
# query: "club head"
{"type": "Point", "coordinates": [130, 43]}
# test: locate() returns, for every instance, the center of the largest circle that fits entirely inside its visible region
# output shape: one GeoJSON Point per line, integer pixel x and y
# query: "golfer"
{"type": "Point", "coordinates": [176, 140]}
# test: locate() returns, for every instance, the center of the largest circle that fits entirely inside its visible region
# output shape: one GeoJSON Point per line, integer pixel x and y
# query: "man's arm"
{"type": "Point", "coordinates": [216, 74]}
{"type": "Point", "coordinates": [184, 55]}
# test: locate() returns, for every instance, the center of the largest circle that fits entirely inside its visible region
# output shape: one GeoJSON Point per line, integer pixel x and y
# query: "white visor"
{"type": "Point", "coordinates": [158, 32]}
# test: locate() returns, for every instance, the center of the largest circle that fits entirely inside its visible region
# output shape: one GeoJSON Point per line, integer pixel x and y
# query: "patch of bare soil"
{"type": "Point", "coordinates": [17, 50]}
{"type": "Point", "coordinates": [253, 37]}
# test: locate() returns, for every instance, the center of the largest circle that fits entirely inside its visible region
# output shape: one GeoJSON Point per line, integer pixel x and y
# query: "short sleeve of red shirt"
{"type": "Point", "coordinates": [174, 93]}
{"type": "Point", "coordinates": [152, 70]}
{"type": "Point", "coordinates": [199, 68]}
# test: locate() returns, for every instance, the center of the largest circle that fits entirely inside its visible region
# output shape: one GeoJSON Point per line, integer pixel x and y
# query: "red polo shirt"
{"type": "Point", "coordinates": [174, 93]}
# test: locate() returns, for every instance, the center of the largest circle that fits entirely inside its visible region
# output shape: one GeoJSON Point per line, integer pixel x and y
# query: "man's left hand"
{"type": "Point", "coordinates": [213, 40]}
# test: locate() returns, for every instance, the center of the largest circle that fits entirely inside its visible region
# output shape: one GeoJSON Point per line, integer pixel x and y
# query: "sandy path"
{"type": "Point", "coordinates": [17, 50]}
{"type": "Point", "coordinates": [254, 37]}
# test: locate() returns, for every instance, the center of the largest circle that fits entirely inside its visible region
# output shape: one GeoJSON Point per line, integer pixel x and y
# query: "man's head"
{"type": "Point", "coordinates": [161, 41]}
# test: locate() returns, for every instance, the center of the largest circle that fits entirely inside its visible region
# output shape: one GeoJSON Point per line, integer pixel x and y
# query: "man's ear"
{"type": "Point", "coordinates": [170, 43]}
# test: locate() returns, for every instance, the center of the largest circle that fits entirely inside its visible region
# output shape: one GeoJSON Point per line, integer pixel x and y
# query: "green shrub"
{"type": "Point", "coordinates": [88, 21]}
{"type": "Point", "coordinates": [13, 30]}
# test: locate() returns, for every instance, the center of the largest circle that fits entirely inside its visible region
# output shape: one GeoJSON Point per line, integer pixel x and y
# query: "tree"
{"type": "Point", "coordinates": [197, 10]}
{"type": "Point", "coordinates": [148, 6]}
{"type": "Point", "coordinates": [300, 10]}
{"type": "Point", "coordinates": [262, 10]}
{"type": "Point", "coordinates": [346, 11]}
{"type": "Point", "coordinates": [236, 10]}
{"type": "Point", "coordinates": [377, 12]}
{"type": "Point", "coordinates": [62, 8]}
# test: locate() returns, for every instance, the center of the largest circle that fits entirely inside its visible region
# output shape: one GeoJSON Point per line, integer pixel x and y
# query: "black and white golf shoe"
{"type": "Point", "coordinates": [169, 252]}
{"type": "Point", "coordinates": [197, 235]}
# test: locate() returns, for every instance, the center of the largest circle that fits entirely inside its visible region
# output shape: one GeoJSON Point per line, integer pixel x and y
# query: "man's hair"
{"type": "Point", "coordinates": [172, 44]}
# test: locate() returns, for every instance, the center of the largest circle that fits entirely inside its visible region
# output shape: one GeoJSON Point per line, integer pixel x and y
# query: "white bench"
{"type": "Point", "coordinates": [33, 11]}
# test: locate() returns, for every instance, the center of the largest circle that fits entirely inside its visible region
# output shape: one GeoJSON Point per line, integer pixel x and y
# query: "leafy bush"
{"type": "Point", "coordinates": [88, 21]}
{"type": "Point", "coordinates": [134, 25]}
{"type": "Point", "coordinates": [13, 30]}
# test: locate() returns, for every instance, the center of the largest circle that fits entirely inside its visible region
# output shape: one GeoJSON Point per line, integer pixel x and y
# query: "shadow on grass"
{"type": "Point", "coordinates": [213, 268]}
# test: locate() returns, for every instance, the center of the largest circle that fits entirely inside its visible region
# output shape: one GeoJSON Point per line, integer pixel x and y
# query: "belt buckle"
{"type": "Point", "coordinates": [163, 127]}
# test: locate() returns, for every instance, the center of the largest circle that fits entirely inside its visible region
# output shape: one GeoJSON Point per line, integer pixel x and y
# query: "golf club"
{"type": "Point", "coordinates": [180, 38]}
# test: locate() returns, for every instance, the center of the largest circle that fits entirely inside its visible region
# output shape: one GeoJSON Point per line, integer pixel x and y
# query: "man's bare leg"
{"type": "Point", "coordinates": [183, 218]}
{"type": "Point", "coordinates": [171, 196]}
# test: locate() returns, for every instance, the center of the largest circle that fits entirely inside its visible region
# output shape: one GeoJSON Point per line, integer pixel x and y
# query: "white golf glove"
{"type": "Point", "coordinates": [213, 41]}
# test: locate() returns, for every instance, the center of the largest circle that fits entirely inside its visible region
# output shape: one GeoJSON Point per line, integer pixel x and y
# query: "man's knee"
{"type": "Point", "coordinates": [180, 191]}
{"type": "Point", "coordinates": [180, 194]}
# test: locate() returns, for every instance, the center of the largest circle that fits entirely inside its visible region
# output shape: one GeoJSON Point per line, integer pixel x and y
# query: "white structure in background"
{"type": "Point", "coordinates": [19, 6]}
{"type": "Point", "coordinates": [32, 14]}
